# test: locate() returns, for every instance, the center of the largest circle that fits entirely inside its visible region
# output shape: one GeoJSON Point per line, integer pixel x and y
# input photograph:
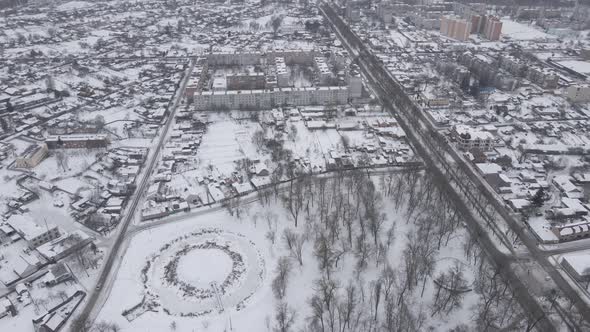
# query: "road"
{"type": "Point", "coordinates": [473, 196]}
{"type": "Point", "coordinates": [133, 207]}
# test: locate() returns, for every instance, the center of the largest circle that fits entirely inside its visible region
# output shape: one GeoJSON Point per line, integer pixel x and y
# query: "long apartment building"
{"type": "Point", "coordinates": [77, 141]}
{"type": "Point", "coordinates": [266, 99]}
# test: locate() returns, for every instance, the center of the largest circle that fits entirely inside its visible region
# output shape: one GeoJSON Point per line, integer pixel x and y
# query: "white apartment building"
{"type": "Point", "coordinates": [281, 72]}
{"type": "Point", "coordinates": [267, 99]}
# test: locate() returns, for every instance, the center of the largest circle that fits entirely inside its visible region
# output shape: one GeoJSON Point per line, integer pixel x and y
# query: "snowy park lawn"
{"type": "Point", "coordinates": [180, 245]}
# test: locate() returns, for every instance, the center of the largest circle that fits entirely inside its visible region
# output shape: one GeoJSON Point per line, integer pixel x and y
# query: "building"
{"type": "Point", "coordinates": [64, 245]}
{"type": "Point", "coordinates": [353, 12]}
{"type": "Point", "coordinates": [281, 72]}
{"type": "Point", "coordinates": [578, 93]}
{"type": "Point", "coordinates": [77, 141]}
{"type": "Point", "coordinates": [577, 265]}
{"type": "Point", "coordinates": [6, 308]}
{"type": "Point", "coordinates": [322, 69]}
{"type": "Point", "coordinates": [542, 76]}
{"type": "Point", "coordinates": [32, 156]}
{"type": "Point", "coordinates": [492, 28]}
{"type": "Point", "coordinates": [355, 83]}
{"type": "Point", "coordinates": [455, 28]}
{"type": "Point", "coordinates": [385, 11]}
{"type": "Point", "coordinates": [57, 274]}
{"type": "Point", "coordinates": [472, 138]}
{"type": "Point", "coordinates": [269, 98]}
{"type": "Point", "coordinates": [573, 231]}
{"type": "Point", "coordinates": [34, 234]}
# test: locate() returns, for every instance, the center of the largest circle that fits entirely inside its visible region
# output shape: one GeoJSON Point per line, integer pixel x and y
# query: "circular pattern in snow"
{"type": "Point", "coordinates": [202, 272]}
{"type": "Point", "coordinates": [200, 268]}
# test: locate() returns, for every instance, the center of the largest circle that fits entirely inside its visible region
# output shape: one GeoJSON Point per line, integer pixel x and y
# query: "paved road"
{"type": "Point", "coordinates": [469, 190]}
{"type": "Point", "coordinates": [133, 207]}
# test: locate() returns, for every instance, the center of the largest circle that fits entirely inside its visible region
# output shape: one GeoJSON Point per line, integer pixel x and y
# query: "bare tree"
{"type": "Point", "coordinates": [279, 283]}
{"type": "Point", "coordinates": [285, 318]}
{"type": "Point", "coordinates": [294, 244]}
{"type": "Point", "coordinates": [450, 290]}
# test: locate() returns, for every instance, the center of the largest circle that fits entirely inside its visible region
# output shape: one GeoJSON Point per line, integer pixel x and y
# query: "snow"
{"type": "Point", "coordinates": [519, 31]}
{"type": "Point", "coordinates": [74, 5]}
{"type": "Point", "coordinates": [202, 267]}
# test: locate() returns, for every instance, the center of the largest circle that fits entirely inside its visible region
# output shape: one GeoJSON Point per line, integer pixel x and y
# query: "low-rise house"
{"type": "Point", "coordinates": [567, 188]}
{"type": "Point", "coordinates": [64, 245]}
{"type": "Point", "coordinates": [34, 234]}
{"type": "Point", "coordinates": [573, 231]}
{"type": "Point", "coordinates": [57, 274]}
{"type": "Point", "coordinates": [7, 308]}
{"type": "Point", "coordinates": [491, 172]}
{"type": "Point", "coordinates": [577, 265]}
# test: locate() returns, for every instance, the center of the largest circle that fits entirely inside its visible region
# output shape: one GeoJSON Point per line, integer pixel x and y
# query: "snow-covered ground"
{"type": "Point", "coordinates": [248, 235]}
{"type": "Point", "coordinates": [520, 31]}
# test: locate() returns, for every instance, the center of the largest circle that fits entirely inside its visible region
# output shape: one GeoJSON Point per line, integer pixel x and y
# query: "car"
{"type": "Point", "coordinates": [98, 286]}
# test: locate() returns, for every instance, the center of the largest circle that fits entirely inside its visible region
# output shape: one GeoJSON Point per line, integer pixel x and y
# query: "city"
{"type": "Point", "coordinates": [338, 165]}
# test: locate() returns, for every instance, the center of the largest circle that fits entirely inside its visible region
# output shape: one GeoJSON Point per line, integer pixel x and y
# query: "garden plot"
{"type": "Point", "coordinates": [43, 210]}
{"type": "Point", "coordinates": [226, 142]}
{"type": "Point", "coordinates": [313, 144]}
{"type": "Point", "coordinates": [62, 164]}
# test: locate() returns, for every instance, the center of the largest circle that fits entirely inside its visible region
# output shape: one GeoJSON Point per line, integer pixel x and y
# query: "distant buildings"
{"type": "Point", "coordinates": [32, 156]}
{"type": "Point", "coordinates": [492, 28]}
{"type": "Point", "coordinates": [456, 28]}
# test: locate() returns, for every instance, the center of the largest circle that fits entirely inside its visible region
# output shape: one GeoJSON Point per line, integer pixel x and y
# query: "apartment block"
{"type": "Point", "coordinates": [455, 28]}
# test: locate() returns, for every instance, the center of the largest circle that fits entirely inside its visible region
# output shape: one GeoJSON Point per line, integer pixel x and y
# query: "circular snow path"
{"type": "Point", "coordinates": [206, 271]}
